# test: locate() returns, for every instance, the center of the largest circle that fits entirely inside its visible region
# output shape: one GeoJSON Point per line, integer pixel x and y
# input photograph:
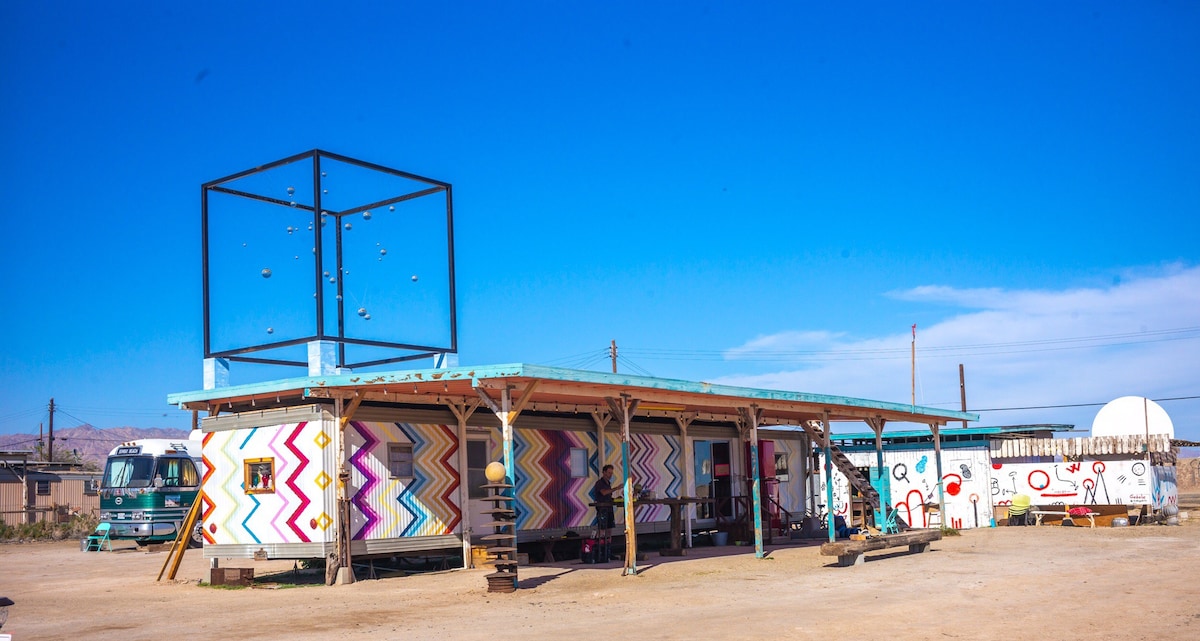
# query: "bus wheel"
{"type": "Point", "coordinates": [197, 538]}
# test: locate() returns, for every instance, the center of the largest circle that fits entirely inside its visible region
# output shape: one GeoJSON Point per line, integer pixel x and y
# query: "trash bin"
{"type": "Point", "coordinates": [720, 538]}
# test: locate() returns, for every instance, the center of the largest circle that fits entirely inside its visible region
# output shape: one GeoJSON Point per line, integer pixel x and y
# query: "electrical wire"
{"type": "Point", "coordinates": [1050, 407]}
{"type": "Point", "coordinates": [935, 351]}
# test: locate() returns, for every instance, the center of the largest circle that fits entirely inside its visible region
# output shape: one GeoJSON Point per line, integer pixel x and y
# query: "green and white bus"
{"type": "Point", "coordinates": [149, 485]}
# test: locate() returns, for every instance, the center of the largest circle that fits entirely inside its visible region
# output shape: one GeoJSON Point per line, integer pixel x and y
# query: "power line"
{"type": "Point", "coordinates": [886, 353]}
{"type": "Point", "coordinates": [1050, 407]}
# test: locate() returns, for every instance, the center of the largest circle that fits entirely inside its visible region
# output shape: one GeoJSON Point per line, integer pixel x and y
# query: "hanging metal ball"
{"type": "Point", "coordinates": [366, 215]}
{"type": "Point", "coordinates": [293, 203]}
{"type": "Point", "coordinates": [391, 208]}
{"type": "Point", "coordinates": [367, 317]}
{"type": "Point", "coordinates": [383, 252]}
{"type": "Point", "coordinates": [414, 278]}
{"type": "Point", "coordinates": [362, 311]}
{"type": "Point", "coordinates": [348, 226]}
{"type": "Point", "coordinates": [266, 273]}
{"type": "Point", "coordinates": [326, 274]}
{"type": "Point", "coordinates": [270, 330]}
{"type": "Point", "coordinates": [291, 190]}
{"type": "Point", "coordinates": [332, 279]}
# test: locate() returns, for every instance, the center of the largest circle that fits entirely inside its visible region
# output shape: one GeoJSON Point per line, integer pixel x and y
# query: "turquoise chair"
{"type": "Point", "coordinates": [98, 539]}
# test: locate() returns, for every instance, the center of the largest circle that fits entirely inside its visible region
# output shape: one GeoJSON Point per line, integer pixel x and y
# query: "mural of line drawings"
{"type": "Point", "coordinates": [967, 483]}
{"type": "Point", "coordinates": [1086, 483]}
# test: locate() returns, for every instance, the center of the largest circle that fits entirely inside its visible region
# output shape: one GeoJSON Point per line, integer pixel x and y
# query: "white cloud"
{"type": "Point", "coordinates": [1020, 348]}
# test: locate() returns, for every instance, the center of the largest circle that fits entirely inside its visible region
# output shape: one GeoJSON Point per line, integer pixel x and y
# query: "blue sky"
{"type": "Point", "coordinates": [767, 195]}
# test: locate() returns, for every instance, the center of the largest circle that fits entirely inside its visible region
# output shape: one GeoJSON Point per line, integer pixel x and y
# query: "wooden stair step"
{"type": "Point", "coordinates": [497, 537]}
{"type": "Point", "coordinates": [501, 550]}
{"type": "Point", "coordinates": [499, 524]}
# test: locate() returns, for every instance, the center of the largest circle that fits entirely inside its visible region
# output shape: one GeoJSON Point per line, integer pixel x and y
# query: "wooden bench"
{"type": "Point", "coordinates": [1038, 513]}
{"type": "Point", "coordinates": [851, 552]}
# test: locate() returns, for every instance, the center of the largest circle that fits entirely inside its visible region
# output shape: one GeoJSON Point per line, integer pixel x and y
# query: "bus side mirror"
{"type": "Point", "coordinates": [158, 482]}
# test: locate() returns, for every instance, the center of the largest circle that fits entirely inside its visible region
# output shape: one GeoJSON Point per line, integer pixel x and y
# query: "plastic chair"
{"type": "Point", "coordinates": [98, 539]}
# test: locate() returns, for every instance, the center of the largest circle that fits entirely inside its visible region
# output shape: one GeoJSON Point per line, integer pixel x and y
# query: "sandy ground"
{"type": "Point", "coordinates": [1004, 583]}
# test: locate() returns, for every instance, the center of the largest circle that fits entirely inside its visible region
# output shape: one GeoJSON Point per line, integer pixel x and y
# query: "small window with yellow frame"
{"type": "Point", "coordinates": [260, 475]}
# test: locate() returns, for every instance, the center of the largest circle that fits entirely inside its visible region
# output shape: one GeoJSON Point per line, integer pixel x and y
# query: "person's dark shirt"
{"type": "Point", "coordinates": [602, 490]}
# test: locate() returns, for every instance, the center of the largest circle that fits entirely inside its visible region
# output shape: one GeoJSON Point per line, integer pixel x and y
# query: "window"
{"type": "Point", "coordinates": [259, 475]}
{"type": "Point", "coordinates": [400, 460]}
{"type": "Point", "coordinates": [477, 460]}
{"type": "Point", "coordinates": [43, 488]}
{"type": "Point", "coordinates": [91, 487]}
{"type": "Point", "coordinates": [781, 467]}
{"type": "Point", "coordinates": [177, 472]}
{"type": "Point", "coordinates": [579, 463]}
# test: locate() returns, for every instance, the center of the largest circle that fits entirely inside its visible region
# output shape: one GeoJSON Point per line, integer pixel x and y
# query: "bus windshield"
{"type": "Point", "coordinates": [129, 471]}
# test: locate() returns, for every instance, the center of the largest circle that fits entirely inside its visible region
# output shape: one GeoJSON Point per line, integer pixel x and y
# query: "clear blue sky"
{"type": "Point", "coordinates": [763, 194]}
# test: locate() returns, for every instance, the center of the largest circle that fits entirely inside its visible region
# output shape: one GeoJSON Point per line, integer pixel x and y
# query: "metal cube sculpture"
{"type": "Point", "coordinates": [319, 247]}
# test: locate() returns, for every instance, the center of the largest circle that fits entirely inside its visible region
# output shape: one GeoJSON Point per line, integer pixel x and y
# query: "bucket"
{"type": "Point", "coordinates": [720, 538]}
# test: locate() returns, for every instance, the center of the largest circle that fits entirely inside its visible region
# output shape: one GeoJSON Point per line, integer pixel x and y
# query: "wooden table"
{"type": "Point", "coordinates": [676, 504]}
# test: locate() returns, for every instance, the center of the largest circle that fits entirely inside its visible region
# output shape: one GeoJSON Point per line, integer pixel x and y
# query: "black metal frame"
{"type": "Point", "coordinates": [315, 156]}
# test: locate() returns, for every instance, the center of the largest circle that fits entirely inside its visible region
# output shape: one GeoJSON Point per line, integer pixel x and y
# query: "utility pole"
{"type": "Point", "coordinates": [914, 367]}
{"type": "Point", "coordinates": [962, 391]}
{"type": "Point", "coordinates": [612, 352]}
{"type": "Point", "coordinates": [51, 459]}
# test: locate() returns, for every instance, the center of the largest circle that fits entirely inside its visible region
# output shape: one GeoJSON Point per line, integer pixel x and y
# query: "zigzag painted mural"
{"type": "Point", "coordinates": [298, 514]}
{"type": "Point", "coordinates": [386, 507]}
{"type": "Point", "coordinates": [549, 497]}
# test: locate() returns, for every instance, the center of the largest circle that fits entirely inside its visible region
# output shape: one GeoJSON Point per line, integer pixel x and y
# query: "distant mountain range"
{"type": "Point", "coordinates": [91, 444]}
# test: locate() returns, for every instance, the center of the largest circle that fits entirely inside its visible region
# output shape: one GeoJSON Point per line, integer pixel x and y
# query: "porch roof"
{"type": "Point", "coordinates": [561, 389]}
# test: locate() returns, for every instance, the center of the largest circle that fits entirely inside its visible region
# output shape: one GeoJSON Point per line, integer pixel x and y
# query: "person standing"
{"type": "Point", "coordinates": [602, 492]}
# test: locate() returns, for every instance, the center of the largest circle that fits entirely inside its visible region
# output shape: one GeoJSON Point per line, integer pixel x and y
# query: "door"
{"type": "Point", "coordinates": [703, 476]}
{"type": "Point", "coordinates": [722, 477]}
{"type": "Point", "coordinates": [477, 461]}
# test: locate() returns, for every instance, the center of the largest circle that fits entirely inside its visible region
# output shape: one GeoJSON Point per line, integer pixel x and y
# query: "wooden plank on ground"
{"type": "Point", "coordinates": [915, 537]}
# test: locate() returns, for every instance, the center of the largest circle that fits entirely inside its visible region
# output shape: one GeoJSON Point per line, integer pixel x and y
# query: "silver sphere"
{"type": "Point", "coordinates": [367, 317]}
{"type": "Point", "coordinates": [362, 311]}
{"type": "Point", "coordinates": [391, 208]}
{"type": "Point", "coordinates": [270, 330]}
{"type": "Point", "coordinates": [414, 278]}
{"type": "Point", "coordinates": [383, 252]}
{"type": "Point", "coordinates": [348, 226]}
{"type": "Point", "coordinates": [291, 190]}
{"type": "Point", "coordinates": [366, 215]}
{"type": "Point", "coordinates": [266, 273]}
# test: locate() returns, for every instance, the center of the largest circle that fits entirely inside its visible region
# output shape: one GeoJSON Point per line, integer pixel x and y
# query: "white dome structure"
{"type": "Point", "coordinates": [1132, 416]}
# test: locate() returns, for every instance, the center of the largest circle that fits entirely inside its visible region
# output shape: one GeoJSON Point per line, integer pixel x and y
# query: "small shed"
{"type": "Point", "coordinates": [984, 467]}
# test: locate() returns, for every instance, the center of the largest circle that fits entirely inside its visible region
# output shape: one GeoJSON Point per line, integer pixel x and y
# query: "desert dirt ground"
{"type": "Point", "coordinates": [1003, 583]}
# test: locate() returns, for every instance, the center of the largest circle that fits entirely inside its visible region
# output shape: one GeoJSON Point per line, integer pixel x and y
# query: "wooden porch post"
{"type": "Point", "coordinates": [624, 409]}
{"type": "Point", "coordinates": [937, 458]}
{"type": "Point", "coordinates": [825, 443]}
{"type": "Point", "coordinates": [463, 411]}
{"type": "Point", "coordinates": [689, 474]}
{"type": "Point", "coordinates": [750, 417]}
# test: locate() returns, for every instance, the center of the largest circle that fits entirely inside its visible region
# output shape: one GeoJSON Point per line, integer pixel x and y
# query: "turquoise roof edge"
{"type": "Point", "coordinates": [520, 370]}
